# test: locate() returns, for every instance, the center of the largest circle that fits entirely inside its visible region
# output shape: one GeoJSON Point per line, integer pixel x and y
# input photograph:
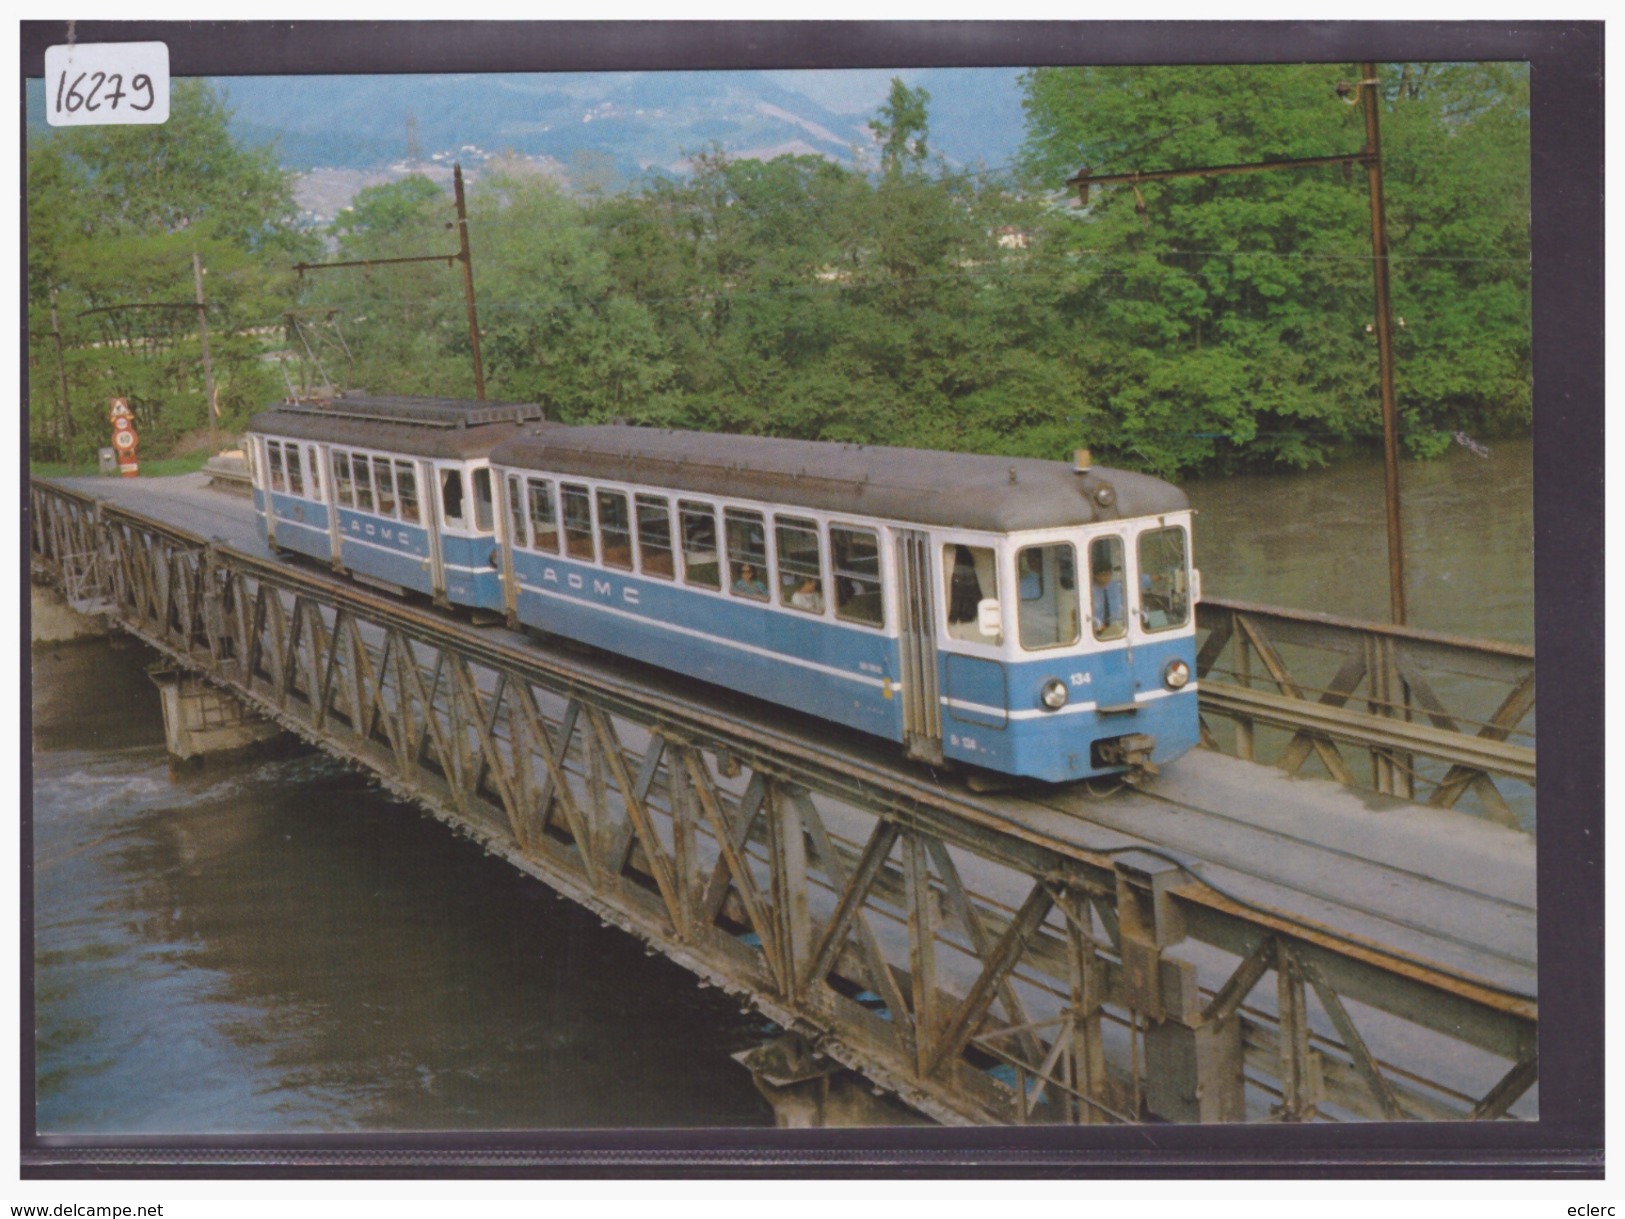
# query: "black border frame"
{"type": "Point", "coordinates": [1566, 140]}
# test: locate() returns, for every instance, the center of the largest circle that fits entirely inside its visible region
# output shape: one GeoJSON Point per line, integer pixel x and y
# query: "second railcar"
{"type": "Point", "coordinates": [394, 491]}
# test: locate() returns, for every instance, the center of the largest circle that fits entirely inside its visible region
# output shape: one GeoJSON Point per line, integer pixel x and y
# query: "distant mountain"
{"type": "Point", "coordinates": [607, 127]}
{"type": "Point", "coordinates": [640, 120]}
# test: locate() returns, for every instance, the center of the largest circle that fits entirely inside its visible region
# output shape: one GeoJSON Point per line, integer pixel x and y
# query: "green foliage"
{"type": "Point", "coordinates": [900, 129]}
{"type": "Point", "coordinates": [116, 215]}
{"type": "Point", "coordinates": [1177, 326]}
{"type": "Point", "coordinates": [1236, 310]}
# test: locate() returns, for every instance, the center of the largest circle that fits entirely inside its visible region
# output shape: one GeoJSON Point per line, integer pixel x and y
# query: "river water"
{"type": "Point", "coordinates": [1319, 540]}
{"type": "Point", "coordinates": [278, 947]}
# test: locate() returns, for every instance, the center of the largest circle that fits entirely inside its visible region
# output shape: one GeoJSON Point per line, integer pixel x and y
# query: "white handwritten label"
{"type": "Point", "coordinates": [92, 83]}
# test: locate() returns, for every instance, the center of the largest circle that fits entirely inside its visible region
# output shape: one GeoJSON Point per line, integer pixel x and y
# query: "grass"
{"type": "Point", "coordinates": [156, 468]}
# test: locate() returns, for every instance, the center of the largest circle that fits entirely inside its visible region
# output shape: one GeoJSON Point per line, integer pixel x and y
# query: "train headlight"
{"type": "Point", "coordinates": [1176, 675]}
{"type": "Point", "coordinates": [1053, 695]}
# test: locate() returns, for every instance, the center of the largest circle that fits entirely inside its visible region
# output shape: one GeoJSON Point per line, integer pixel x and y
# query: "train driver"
{"type": "Point", "coordinates": [1107, 605]}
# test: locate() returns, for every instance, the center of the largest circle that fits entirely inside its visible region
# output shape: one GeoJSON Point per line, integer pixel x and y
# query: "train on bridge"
{"type": "Point", "coordinates": [1009, 615]}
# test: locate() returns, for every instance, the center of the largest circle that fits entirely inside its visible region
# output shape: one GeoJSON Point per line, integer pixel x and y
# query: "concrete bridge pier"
{"type": "Point", "coordinates": [202, 721]}
{"type": "Point", "coordinates": [808, 1091]}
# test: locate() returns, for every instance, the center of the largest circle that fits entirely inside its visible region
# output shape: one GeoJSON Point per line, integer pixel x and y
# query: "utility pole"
{"type": "Point", "coordinates": [62, 383]}
{"type": "Point", "coordinates": [468, 281]}
{"type": "Point", "coordinates": [208, 369]}
{"type": "Point", "coordinates": [1370, 157]}
{"type": "Point", "coordinates": [463, 255]}
{"type": "Point", "coordinates": [1385, 342]}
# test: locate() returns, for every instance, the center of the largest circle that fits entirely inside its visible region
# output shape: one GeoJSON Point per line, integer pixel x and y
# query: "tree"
{"type": "Point", "coordinates": [1235, 310]}
{"type": "Point", "coordinates": [387, 209]}
{"type": "Point", "coordinates": [900, 129]}
{"type": "Point", "coordinates": [115, 216]}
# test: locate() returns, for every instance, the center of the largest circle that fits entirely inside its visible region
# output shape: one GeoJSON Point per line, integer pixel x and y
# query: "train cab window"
{"type": "Point", "coordinates": [1047, 596]}
{"type": "Point", "coordinates": [615, 530]}
{"type": "Point", "coordinates": [341, 480]}
{"type": "Point", "coordinates": [699, 524]}
{"type": "Point", "coordinates": [363, 484]}
{"type": "Point", "coordinates": [451, 495]}
{"type": "Point", "coordinates": [654, 536]}
{"type": "Point", "coordinates": [544, 519]}
{"type": "Point", "coordinates": [273, 450]}
{"type": "Point", "coordinates": [855, 574]}
{"type": "Point", "coordinates": [972, 577]}
{"type": "Point", "coordinates": [1164, 590]}
{"type": "Point", "coordinates": [801, 575]}
{"type": "Point", "coordinates": [296, 479]}
{"type": "Point", "coordinates": [406, 487]}
{"type": "Point", "coordinates": [747, 553]}
{"type": "Point", "coordinates": [485, 507]}
{"type": "Point", "coordinates": [577, 522]}
{"type": "Point", "coordinates": [1107, 614]}
{"type": "Point", "coordinates": [383, 483]}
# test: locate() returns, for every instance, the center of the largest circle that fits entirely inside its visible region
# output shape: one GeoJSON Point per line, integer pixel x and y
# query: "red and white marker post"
{"type": "Point", "coordinates": [124, 438]}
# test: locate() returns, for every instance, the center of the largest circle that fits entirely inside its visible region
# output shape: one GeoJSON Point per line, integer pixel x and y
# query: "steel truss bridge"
{"type": "Point", "coordinates": [1054, 956]}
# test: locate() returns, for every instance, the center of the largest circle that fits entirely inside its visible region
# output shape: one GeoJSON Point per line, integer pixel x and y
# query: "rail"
{"type": "Point", "coordinates": [1325, 683]}
{"type": "Point", "coordinates": [981, 968]}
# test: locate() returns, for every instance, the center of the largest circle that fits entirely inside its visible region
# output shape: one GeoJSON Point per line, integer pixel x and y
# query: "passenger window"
{"type": "Point", "coordinates": [341, 479]}
{"type": "Point", "coordinates": [1107, 615]}
{"type": "Point", "coordinates": [972, 577]}
{"type": "Point", "coordinates": [516, 511]}
{"type": "Point", "coordinates": [383, 482]}
{"type": "Point", "coordinates": [274, 449]}
{"type": "Point", "coordinates": [406, 487]}
{"type": "Point", "coordinates": [615, 530]}
{"type": "Point", "coordinates": [801, 575]}
{"type": "Point", "coordinates": [1047, 596]}
{"type": "Point", "coordinates": [577, 522]}
{"type": "Point", "coordinates": [544, 520]}
{"type": "Point", "coordinates": [855, 562]}
{"type": "Point", "coordinates": [484, 501]}
{"type": "Point", "coordinates": [363, 484]}
{"type": "Point", "coordinates": [451, 494]}
{"type": "Point", "coordinates": [314, 465]}
{"type": "Point", "coordinates": [1164, 589]}
{"type": "Point", "coordinates": [700, 565]}
{"type": "Point", "coordinates": [654, 536]}
{"type": "Point", "coordinates": [296, 481]}
{"type": "Point", "coordinates": [747, 553]}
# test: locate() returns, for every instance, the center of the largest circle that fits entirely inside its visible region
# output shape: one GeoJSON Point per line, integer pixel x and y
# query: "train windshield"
{"type": "Point", "coordinates": [1164, 585]}
{"type": "Point", "coordinates": [1047, 596]}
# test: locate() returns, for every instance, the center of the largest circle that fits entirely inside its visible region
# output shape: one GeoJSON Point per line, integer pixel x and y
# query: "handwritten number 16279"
{"type": "Point", "coordinates": [71, 99]}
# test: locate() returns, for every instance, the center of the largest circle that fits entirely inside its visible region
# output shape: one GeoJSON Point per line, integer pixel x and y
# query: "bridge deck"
{"type": "Point", "coordinates": [1439, 887]}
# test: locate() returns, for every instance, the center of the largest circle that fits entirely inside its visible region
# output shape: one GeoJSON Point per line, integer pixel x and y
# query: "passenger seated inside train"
{"type": "Point", "coordinates": [747, 584]}
{"type": "Point", "coordinates": [808, 596]}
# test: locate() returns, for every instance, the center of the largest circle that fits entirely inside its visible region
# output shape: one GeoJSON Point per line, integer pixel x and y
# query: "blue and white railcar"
{"type": "Point", "coordinates": [394, 491]}
{"type": "Point", "coordinates": [1026, 617]}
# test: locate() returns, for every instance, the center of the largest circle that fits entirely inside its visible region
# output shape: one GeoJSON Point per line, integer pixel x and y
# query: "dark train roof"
{"type": "Point", "coordinates": [424, 427]}
{"type": "Point", "coordinates": [958, 490]}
